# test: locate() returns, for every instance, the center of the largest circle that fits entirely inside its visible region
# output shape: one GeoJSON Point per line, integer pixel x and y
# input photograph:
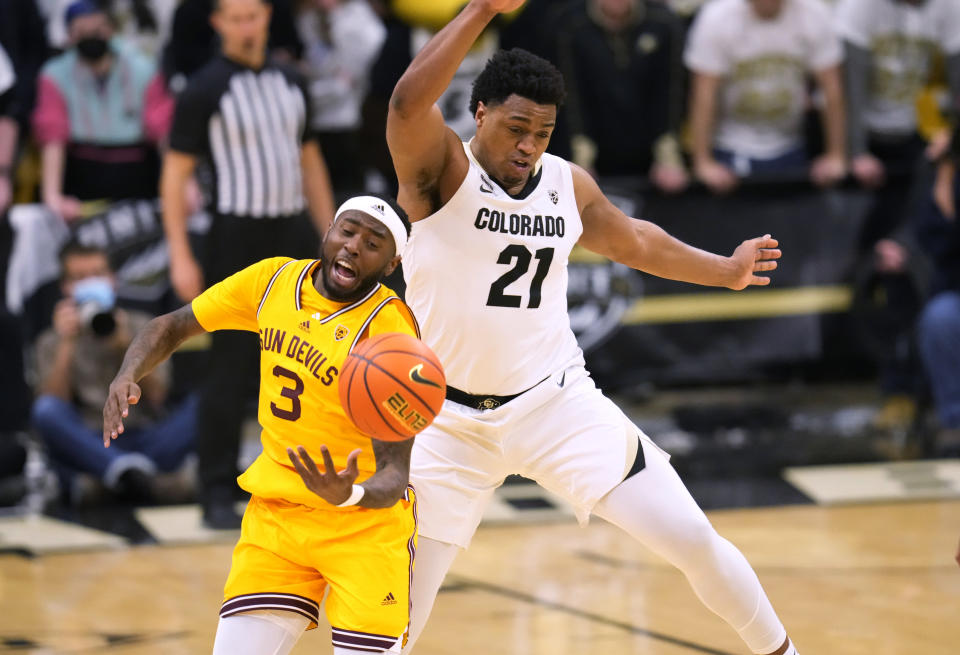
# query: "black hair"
{"type": "Point", "coordinates": [75, 248]}
{"type": "Point", "coordinates": [215, 4]}
{"type": "Point", "coordinates": [521, 72]}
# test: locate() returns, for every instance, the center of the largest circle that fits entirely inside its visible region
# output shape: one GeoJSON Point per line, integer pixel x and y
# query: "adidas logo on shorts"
{"type": "Point", "coordinates": [389, 600]}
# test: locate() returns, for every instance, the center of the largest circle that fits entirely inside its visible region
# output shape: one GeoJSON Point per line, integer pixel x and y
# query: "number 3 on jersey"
{"type": "Point", "coordinates": [497, 297]}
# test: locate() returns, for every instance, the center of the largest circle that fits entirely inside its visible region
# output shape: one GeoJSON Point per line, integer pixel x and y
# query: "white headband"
{"type": "Point", "coordinates": [379, 210]}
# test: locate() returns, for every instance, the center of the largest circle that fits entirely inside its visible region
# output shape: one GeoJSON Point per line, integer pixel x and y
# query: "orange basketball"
{"type": "Point", "coordinates": [392, 386]}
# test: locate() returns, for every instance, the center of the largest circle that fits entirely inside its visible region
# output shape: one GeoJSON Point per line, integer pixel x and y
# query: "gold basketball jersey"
{"type": "Point", "coordinates": [304, 341]}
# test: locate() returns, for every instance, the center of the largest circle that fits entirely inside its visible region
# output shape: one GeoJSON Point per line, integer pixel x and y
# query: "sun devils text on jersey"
{"type": "Point", "coordinates": [304, 341]}
{"type": "Point", "coordinates": [522, 246]}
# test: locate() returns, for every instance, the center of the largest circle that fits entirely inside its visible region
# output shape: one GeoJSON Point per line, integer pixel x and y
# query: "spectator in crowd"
{"type": "Point", "coordinates": [142, 23]}
{"type": "Point", "coordinates": [76, 360]}
{"type": "Point", "coordinates": [9, 130]}
{"type": "Point", "coordinates": [23, 50]}
{"type": "Point", "coordinates": [102, 108]}
{"type": "Point", "coordinates": [750, 60]}
{"type": "Point", "coordinates": [939, 325]}
{"type": "Point", "coordinates": [891, 47]}
{"type": "Point", "coordinates": [249, 118]}
{"type": "Point", "coordinates": [342, 39]}
{"type": "Point", "coordinates": [193, 41]}
{"type": "Point", "coordinates": [621, 61]}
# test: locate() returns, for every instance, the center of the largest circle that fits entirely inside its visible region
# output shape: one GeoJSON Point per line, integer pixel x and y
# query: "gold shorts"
{"type": "Point", "coordinates": [289, 553]}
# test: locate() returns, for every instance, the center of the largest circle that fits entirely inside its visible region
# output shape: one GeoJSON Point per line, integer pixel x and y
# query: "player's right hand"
{"type": "Point", "coordinates": [122, 393]}
{"type": "Point", "coordinates": [333, 486]}
{"type": "Point", "coordinates": [186, 277]}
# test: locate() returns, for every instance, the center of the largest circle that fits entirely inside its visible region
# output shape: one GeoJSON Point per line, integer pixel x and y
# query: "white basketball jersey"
{"type": "Point", "coordinates": [487, 280]}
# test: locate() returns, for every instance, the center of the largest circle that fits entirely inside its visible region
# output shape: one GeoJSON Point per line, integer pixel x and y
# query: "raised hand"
{"type": "Point", "coordinates": [334, 487]}
{"type": "Point", "coordinates": [751, 257]}
{"type": "Point", "coordinates": [123, 392]}
{"type": "Point", "coordinates": [503, 6]}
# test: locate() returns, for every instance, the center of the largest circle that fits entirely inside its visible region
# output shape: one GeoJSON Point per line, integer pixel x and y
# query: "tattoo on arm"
{"type": "Point", "coordinates": [385, 487]}
{"type": "Point", "coordinates": [157, 340]}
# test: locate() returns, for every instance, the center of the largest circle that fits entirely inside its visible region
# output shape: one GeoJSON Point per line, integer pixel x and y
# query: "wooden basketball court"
{"type": "Point", "coordinates": [875, 579]}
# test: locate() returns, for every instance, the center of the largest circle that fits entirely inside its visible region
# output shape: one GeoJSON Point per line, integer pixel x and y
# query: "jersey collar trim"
{"type": "Point", "coordinates": [346, 309]}
{"type": "Point", "coordinates": [298, 293]}
{"type": "Point", "coordinates": [270, 286]}
{"type": "Point", "coordinates": [342, 310]}
{"type": "Point", "coordinates": [532, 182]}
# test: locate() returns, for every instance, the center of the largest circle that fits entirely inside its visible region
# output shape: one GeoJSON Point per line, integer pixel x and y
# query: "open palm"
{"type": "Point", "coordinates": [751, 257]}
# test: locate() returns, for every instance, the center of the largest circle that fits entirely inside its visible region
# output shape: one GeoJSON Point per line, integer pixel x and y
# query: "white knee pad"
{"type": "Point", "coordinates": [260, 632]}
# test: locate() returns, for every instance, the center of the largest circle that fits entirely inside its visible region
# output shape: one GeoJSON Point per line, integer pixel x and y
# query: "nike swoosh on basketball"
{"type": "Point", "coordinates": [417, 376]}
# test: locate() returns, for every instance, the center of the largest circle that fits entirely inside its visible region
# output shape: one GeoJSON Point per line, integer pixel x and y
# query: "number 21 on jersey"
{"type": "Point", "coordinates": [520, 258]}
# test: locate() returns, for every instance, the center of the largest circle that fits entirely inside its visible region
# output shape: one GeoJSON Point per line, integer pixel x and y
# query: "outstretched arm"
{"type": "Point", "coordinates": [422, 146]}
{"type": "Point", "coordinates": [382, 489]}
{"type": "Point", "coordinates": [647, 247]}
{"type": "Point", "coordinates": [152, 345]}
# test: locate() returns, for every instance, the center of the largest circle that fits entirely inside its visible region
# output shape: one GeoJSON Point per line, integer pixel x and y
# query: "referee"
{"type": "Point", "coordinates": [248, 118]}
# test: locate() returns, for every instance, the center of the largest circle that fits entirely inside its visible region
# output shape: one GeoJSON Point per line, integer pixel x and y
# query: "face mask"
{"type": "Point", "coordinates": [96, 290]}
{"type": "Point", "coordinates": [92, 48]}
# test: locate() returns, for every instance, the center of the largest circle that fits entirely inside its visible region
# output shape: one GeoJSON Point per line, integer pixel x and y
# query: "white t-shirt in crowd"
{"type": "Point", "coordinates": [7, 74]}
{"type": "Point", "coordinates": [904, 39]}
{"type": "Point", "coordinates": [764, 64]}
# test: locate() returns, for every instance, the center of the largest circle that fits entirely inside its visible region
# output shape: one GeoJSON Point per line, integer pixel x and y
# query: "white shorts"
{"type": "Point", "coordinates": [563, 433]}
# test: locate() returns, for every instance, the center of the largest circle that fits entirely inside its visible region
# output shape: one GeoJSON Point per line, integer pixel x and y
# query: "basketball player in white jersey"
{"type": "Point", "coordinates": [486, 270]}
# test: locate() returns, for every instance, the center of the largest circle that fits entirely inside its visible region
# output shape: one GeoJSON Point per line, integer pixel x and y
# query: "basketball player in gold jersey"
{"type": "Point", "coordinates": [308, 526]}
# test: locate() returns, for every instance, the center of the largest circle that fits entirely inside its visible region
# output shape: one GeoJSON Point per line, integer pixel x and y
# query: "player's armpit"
{"type": "Point", "coordinates": [385, 487]}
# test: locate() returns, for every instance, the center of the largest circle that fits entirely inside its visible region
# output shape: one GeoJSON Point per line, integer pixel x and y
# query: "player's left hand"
{"type": "Point", "coordinates": [751, 257]}
{"type": "Point", "coordinates": [333, 486]}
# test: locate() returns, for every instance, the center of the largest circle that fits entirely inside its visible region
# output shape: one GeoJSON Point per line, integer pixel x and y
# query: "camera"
{"type": "Point", "coordinates": [95, 300]}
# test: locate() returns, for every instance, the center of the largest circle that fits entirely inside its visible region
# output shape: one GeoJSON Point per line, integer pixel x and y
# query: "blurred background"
{"type": "Point", "coordinates": [828, 124]}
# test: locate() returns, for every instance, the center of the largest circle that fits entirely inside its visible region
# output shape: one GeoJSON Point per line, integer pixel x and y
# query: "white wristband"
{"type": "Point", "coordinates": [355, 496]}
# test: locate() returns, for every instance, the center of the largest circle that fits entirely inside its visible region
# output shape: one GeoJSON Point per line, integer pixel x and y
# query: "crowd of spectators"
{"type": "Point", "coordinates": [672, 95]}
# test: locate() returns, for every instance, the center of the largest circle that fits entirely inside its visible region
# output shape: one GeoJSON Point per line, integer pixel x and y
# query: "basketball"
{"type": "Point", "coordinates": [392, 386]}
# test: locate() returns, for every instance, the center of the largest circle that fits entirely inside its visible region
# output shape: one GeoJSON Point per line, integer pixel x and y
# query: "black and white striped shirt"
{"type": "Point", "coordinates": [250, 125]}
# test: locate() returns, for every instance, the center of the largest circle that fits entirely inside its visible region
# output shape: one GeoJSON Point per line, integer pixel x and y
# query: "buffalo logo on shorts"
{"type": "Point", "coordinates": [554, 196]}
{"type": "Point", "coordinates": [341, 332]}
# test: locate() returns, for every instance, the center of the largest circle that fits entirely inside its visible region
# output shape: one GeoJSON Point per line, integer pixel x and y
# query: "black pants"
{"type": "Point", "coordinates": [891, 204]}
{"type": "Point", "coordinates": [233, 376]}
{"type": "Point", "coordinates": [892, 207]}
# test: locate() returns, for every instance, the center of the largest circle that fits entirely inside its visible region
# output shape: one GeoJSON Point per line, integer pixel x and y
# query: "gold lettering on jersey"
{"type": "Point", "coordinates": [519, 224]}
{"type": "Point", "coordinates": [301, 351]}
{"type": "Point", "coordinates": [397, 406]}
